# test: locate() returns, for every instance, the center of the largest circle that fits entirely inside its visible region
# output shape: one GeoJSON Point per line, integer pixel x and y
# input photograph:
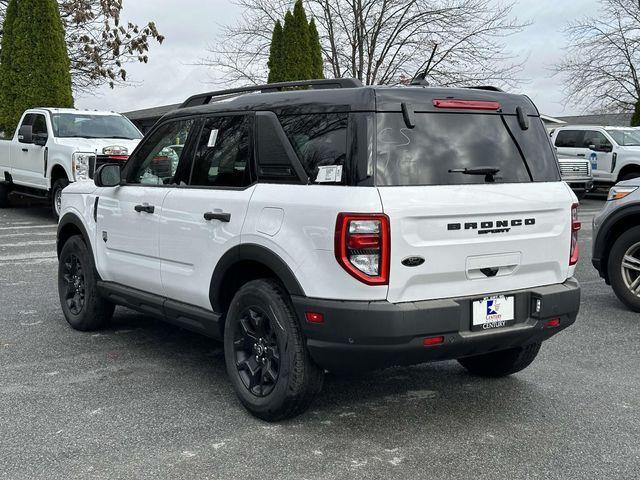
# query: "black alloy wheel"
{"type": "Point", "coordinates": [256, 352]}
{"type": "Point", "coordinates": [75, 292]}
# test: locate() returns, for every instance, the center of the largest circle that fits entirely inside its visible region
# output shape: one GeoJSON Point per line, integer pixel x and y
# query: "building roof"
{"type": "Point", "coordinates": [607, 119]}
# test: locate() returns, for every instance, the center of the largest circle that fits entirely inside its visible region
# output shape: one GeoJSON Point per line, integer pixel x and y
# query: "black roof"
{"type": "Point", "coordinates": [350, 99]}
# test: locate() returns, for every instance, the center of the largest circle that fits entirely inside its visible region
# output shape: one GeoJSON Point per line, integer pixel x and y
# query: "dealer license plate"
{"type": "Point", "coordinates": [493, 312]}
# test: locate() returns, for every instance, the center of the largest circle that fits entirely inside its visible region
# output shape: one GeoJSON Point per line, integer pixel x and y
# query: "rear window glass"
{"type": "Point", "coordinates": [441, 142]}
{"type": "Point", "coordinates": [319, 140]}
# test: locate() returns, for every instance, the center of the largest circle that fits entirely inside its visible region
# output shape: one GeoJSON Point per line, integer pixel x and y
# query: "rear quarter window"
{"type": "Point", "coordinates": [319, 140]}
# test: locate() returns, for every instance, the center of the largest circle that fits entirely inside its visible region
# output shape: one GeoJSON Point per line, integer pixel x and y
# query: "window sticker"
{"type": "Point", "coordinates": [329, 174]}
{"type": "Point", "coordinates": [213, 138]}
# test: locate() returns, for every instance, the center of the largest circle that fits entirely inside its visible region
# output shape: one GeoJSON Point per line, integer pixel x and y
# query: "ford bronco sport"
{"type": "Point", "coordinates": [324, 225]}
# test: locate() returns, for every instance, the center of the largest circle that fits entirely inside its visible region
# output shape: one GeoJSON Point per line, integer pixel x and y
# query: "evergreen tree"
{"type": "Point", "coordinates": [635, 119]}
{"type": "Point", "coordinates": [6, 66]}
{"type": "Point", "coordinates": [276, 55]}
{"type": "Point", "coordinates": [317, 63]}
{"type": "Point", "coordinates": [38, 71]}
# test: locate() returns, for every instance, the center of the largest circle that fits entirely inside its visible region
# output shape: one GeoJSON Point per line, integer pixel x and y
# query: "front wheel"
{"type": "Point", "coordinates": [503, 363]}
{"type": "Point", "coordinates": [624, 268]}
{"type": "Point", "coordinates": [4, 195]}
{"type": "Point", "coordinates": [56, 195]}
{"type": "Point", "coordinates": [81, 303]}
{"type": "Point", "coordinates": [267, 361]}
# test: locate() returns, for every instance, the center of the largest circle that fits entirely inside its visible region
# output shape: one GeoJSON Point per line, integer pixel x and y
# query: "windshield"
{"type": "Point", "coordinates": [456, 149]}
{"type": "Point", "coordinates": [73, 125]}
{"type": "Point", "coordinates": [626, 137]}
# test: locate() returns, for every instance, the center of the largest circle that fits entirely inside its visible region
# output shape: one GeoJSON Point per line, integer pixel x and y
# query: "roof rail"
{"type": "Point", "coordinates": [205, 98]}
{"type": "Point", "coordinates": [491, 88]}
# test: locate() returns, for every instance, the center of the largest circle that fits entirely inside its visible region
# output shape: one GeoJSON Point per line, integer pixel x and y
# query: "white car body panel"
{"type": "Point", "coordinates": [526, 255]}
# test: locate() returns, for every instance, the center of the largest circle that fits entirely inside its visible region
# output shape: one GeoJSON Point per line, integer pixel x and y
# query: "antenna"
{"type": "Point", "coordinates": [419, 79]}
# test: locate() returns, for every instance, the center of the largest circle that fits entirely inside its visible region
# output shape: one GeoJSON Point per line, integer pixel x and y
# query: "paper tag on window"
{"type": "Point", "coordinates": [213, 138]}
{"type": "Point", "coordinates": [329, 174]}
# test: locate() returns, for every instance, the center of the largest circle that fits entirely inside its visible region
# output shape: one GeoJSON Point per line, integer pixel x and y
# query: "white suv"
{"type": "Point", "coordinates": [614, 152]}
{"type": "Point", "coordinates": [333, 227]}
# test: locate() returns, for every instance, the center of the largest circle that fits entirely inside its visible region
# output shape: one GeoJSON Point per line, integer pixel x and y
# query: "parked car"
{"type": "Point", "coordinates": [336, 227]}
{"type": "Point", "coordinates": [616, 242]}
{"type": "Point", "coordinates": [614, 152]}
{"type": "Point", "coordinates": [53, 147]}
{"type": "Point", "coordinates": [577, 173]}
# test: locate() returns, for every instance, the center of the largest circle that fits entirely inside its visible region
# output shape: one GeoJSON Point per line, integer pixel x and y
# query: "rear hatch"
{"type": "Point", "coordinates": [502, 224]}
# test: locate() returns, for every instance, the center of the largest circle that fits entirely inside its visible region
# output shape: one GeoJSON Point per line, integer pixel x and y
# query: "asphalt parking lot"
{"type": "Point", "coordinates": [147, 400]}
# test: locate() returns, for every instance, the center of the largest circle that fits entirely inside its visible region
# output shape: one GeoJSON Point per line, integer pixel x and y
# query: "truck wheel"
{"type": "Point", "coordinates": [4, 195]}
{"type": "Point", "coordinates": [630, 176]}
{"type": "Point", "coordinates": [503, 363]}
{"type": "Point", "coordinates": [81, 303]}
{"type": "Point", "coordinates": [56, 195]}
{"type": "Point", "coordinates": [624, 268]}
{"type": "Point", "coordinates": [267, 361]}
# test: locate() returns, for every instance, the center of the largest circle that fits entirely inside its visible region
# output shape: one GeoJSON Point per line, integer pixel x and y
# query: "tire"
{"type": "Point", "coordinates": [81, 303]}
{"type": "Point", "coordinates": [629, 176]}
{"type": "Point", "coordinates": [261, 322]}
{"type": "Point", "coordinates": [56, 192]}
{"type": "Point", "coordinates": [503, 363]}
{"type": "Point", "coordinates": [622, 279]}
{"type": "Point", "coordinates": [4, 195]}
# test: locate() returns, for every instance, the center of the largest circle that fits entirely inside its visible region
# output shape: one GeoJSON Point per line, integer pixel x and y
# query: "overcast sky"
{"type": "Point", "coordinates": [189, 25]}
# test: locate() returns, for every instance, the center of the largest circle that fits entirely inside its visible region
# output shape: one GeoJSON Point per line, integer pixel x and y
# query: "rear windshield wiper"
{"type": "Point", "coordinates": [488, 172]}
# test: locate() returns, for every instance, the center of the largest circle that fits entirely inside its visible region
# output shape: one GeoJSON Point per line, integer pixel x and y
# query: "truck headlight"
{"type": "Point", "coordinates": [82, 164]}
{"type": "Point", "coordinates": [616, 193]}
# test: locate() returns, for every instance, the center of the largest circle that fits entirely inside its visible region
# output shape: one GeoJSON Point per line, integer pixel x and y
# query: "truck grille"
{"type": "Point", "coordinates": [574, 169]}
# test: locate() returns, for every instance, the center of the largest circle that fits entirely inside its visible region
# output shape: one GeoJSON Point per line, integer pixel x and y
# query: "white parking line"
{"type": "Point", "coordinates": [23, 227]}
{"type": "Point", "coordinates": [28, 234]}
{"type": "Point", "coordinates": [28, 256]}
{"type": "Point", "coordinates": [28, 244]}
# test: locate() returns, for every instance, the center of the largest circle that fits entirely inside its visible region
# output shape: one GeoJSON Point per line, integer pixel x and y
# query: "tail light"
{"type": "Point", "coordinates": [575, 228]}
{"type": "Point", "coordinates": [363, 246]}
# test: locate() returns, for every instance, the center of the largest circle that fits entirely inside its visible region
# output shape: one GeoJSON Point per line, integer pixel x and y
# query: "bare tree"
{"type": "Point", "coordinates": [601, 61]}
{"type": "Point", "coordinates": [99, 42]}
{"type": "Point", "coordinates": [381, 41]}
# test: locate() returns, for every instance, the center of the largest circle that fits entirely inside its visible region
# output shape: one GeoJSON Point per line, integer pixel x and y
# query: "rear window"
{"type": "Point", "coordinates": [441, 142]}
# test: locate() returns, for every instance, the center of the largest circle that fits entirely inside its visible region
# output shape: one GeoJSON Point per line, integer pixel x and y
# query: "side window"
{"type": "Point", "coordinates": [223, 154]}
{"type": "Point", "coordinates": [157, 161]}
{"type": "Point", "coordinates": [596, 138]}
{"type": "Point", "coordinates": [569, 139]}
{"type": "Point", "coordinates": [39, 125]}
{"type": "Point", "coordinates": [320, 140]}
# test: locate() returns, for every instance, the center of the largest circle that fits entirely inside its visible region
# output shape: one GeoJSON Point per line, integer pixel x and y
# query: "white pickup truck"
{"type": "Point", "coordinates": [614, 152]}
{"type": "Point", "coordinates": [53, 147]}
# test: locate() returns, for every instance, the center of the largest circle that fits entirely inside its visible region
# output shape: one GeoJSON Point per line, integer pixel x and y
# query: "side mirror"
{"type": "Point", "coordinates": [108, 175]}
{"type": "Point", "coordinates": [40, 139]}
{"type": "Point", "coordinates": [601, 148]}
{"type": "Point", "coordinates": [25, 134]}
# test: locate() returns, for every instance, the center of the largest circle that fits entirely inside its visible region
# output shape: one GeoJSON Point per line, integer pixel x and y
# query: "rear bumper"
{"type": "Point", "coordinates": [357, 336]}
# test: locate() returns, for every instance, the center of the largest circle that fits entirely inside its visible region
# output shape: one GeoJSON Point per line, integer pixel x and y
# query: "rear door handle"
{"type": "Point", "coordinates": [581, 155]}
{"type": "Point", "coordinates": [223, 217]}
{"type": "Point", "coordinates": [145, 208]}
{"type": "Point", "coordinates": [25, 149]}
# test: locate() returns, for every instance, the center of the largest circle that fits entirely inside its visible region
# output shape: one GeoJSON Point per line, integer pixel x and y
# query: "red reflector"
{"type": "Point", "coordinates": [554, 322]}
{"type": "Point", "coordinates": [314, 317]}
{"type": "Point", "coordinates": [467, 104]}
{"type": "Point", "coordinates": [119, 157]}
{"type": "Point", "coordinates": [431, 341]}
{"type": "Point", "coordinates": [363, 242]}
